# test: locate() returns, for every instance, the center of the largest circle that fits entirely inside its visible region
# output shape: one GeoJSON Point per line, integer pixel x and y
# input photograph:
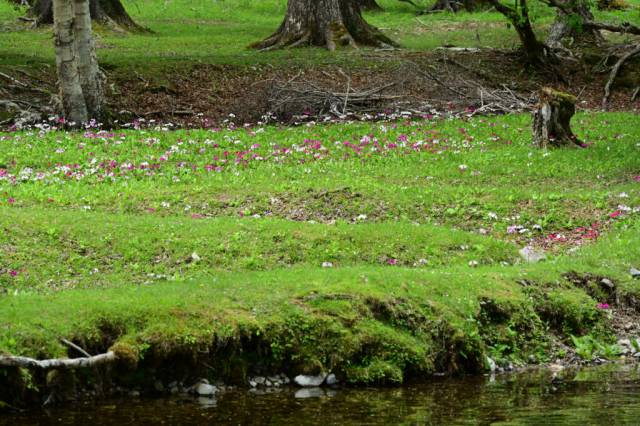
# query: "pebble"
{"type": "Point", "coordinates": [310, 381]}
{"type": "Point", "coordinates": [635, 273]}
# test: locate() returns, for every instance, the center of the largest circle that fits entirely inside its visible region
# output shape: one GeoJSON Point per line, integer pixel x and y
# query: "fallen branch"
{"type": "Point", "coordinates": [614, 73]}
{"type": "Point", "coordinates": [625, 27]}
{"type": "Point", "coordinates": [49, 364]}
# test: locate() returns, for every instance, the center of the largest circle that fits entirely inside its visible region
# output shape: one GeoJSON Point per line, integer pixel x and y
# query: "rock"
{"type": "Point", "coordinates": [205, 389]}
{"type": "Point", "coordinates": [310, 381]}
{"type": "Point", "coordinates": [606, 282]}
{"type": "Point", "coordinates": [531, 254]}
{"type": "Point", "coordinates": [331, 380]}
{"type": "Point", "coordinates": [253, 383]}
{"type": "Point", "coordinates": [635, 273]}
{"type": "Point", "coordinates": [134, 394]}
{"type": "Point", "coordinates": [260, 380]}
{"type": "Point", "coordinates": [275, 379]}
{"type": "Point", "coordinates": [313, 392]}
{"type": "Point", "coordinates": [491, 365]}
{"type": "Point", "coordinates": [625, 346]}
{"type": "Point", "coordinates": [158, 386]}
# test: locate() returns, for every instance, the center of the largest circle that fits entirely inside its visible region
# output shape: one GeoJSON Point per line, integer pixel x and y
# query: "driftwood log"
{"type": "Point", "coordinates": [552, 119]}
{"type": "Point", "coordinates": [57, 363]}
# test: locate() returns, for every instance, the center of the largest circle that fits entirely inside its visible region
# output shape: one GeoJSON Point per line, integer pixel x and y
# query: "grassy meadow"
{"type": "Point", "coordinates": [382, 243]}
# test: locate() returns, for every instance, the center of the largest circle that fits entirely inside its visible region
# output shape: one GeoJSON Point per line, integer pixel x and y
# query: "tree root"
{"type": "Point", "coordinates": [614, 73]}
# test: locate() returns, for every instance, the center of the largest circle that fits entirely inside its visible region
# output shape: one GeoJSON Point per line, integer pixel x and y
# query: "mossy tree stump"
{"type": "Point", "coordinates": [552, 118]}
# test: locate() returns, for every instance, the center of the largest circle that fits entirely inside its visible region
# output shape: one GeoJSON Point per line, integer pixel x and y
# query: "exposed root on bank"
{"type": "Point", "coordinates": [614, 73]}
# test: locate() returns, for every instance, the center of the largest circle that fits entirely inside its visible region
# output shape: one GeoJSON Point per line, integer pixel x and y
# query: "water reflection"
{"type": "Point", "coordinates": [602, 395]}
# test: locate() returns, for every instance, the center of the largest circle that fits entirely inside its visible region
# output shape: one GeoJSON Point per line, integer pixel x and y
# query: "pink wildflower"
{"type": "Point", "coordinates": [615, 214]}
{"type": "Point", "coordinates": [13, 273]}
{"type": "Point", "coordinates": [602, 306]}
{"type": "Point", "coordinates": [392, 261]}
{"type": "Point", "coordinates": [11, 200]}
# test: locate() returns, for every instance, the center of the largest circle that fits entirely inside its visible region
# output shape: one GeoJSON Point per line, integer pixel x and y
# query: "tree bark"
{"type": "Point", "coordinates": [108, 12]}
{"type": "Point", "coordinates": [456, 5]}
{"type": "Point", "coordinates": [552, 119]}
{"type": "Point", "coordinates": [73, 103]}
{"type": "Point", "coordinates": [369, 5]}
{"type": "Point", "coordinates": [328, 23]}
{"type": "Point", "coordinates": [87, 61]}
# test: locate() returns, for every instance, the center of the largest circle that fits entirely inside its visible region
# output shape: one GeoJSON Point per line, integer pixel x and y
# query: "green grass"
{"type": "Point", "coordinates": [187, 32]}
{"type": "Point", "coordinates": [99, 236]}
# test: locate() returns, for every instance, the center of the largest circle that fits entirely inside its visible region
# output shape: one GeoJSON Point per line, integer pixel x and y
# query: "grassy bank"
{"type": "Point", "coordinates": [383, 252]}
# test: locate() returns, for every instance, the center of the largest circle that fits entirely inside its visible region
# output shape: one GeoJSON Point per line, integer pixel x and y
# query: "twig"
{"type": "Point", "coordinates": [76, 347]}
{"type": "Point", "coordinates": [8, 77]}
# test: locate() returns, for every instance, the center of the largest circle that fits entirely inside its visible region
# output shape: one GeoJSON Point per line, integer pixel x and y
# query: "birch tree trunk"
{"type": "Point", "coordinates": [87, 61]}
{"type": "Point", "coordinates": [73, 103]}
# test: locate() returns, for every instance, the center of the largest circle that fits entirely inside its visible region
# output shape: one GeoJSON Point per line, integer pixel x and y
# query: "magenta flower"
{"type": "Point", "coordinates": [392, 261]}
{"type": "Point", "coordinates": [11, 200]}
{"type": "Point", "coordinates": [13, 273]}
{"type": "Point", "coordinates": [602, 306]}
{"type": "Point", "coordinates": [615, 214]}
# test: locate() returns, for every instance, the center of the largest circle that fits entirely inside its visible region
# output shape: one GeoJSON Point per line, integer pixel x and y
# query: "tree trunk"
{"type": "Point", "coordinates": [329, 23]}
{"type": "Point", "coordinates": [73, 103]}
{"type": "Point", "coordinates": [456, 5]}
{"type": "Point", "coordinates": [552, 119]}
{"type": "Point", "coordinates": [369, 5]}
{"type": "Point", "coordinates": [537, 53]}
{"type": "Point", "coordinates": [108, 12]}
{"type": "Point", "coordinates": [563, 26]}
{"type": "Point", "coordinates": [87, 60]}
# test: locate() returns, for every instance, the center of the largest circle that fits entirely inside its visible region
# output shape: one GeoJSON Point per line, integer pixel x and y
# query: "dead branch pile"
{"type": "Point", "coordinates": [298, 96]}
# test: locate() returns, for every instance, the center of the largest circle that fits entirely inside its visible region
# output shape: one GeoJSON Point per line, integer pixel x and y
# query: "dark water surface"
{"type": "Point", "coordinates": [606, 395]}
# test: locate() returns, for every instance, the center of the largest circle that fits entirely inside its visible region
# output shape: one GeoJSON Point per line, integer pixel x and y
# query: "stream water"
{"type": "Point", "coordinates": [605, 395]}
